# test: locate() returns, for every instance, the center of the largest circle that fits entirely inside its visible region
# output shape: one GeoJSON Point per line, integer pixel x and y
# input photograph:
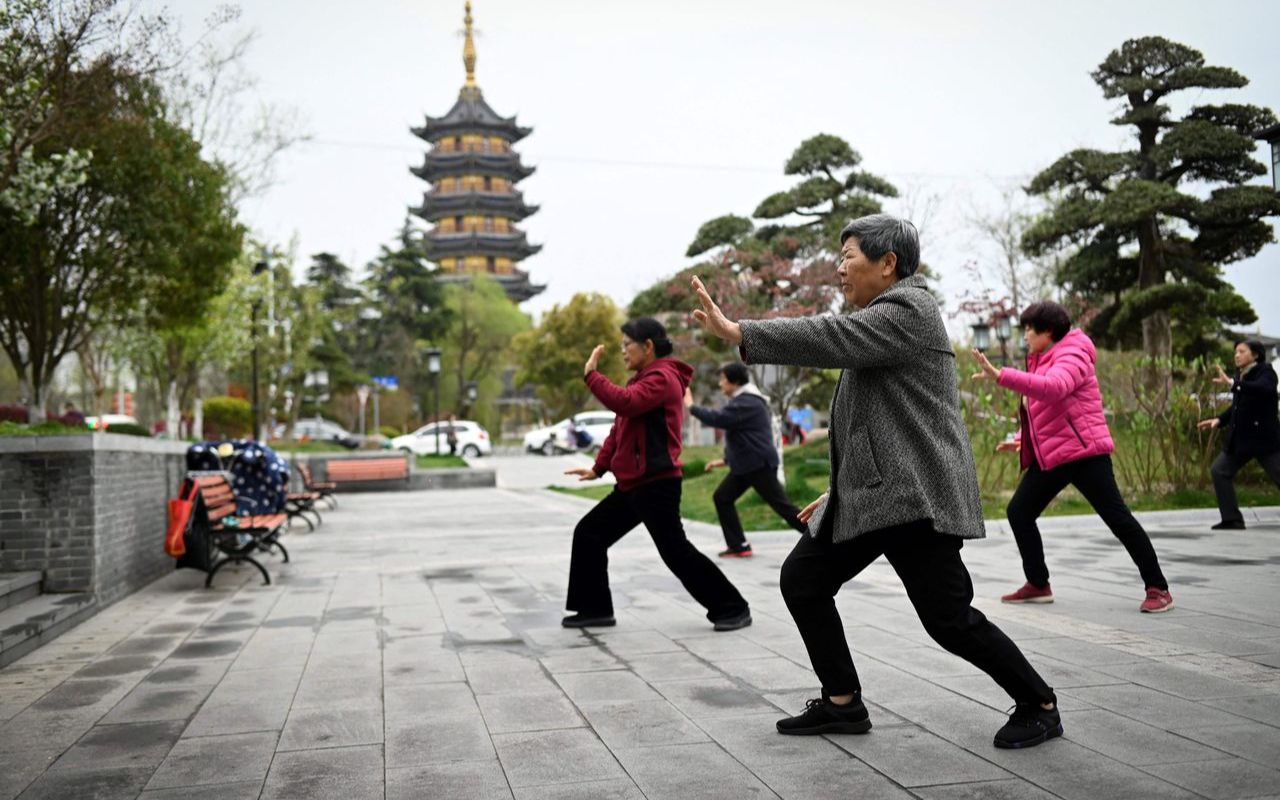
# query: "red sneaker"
{"type": "Point", "coordinates": [1158, 600]}
{"type": "Point", "coordinates": [741, 552]}
{"type": "Point", "coordinates": [1029, 594]}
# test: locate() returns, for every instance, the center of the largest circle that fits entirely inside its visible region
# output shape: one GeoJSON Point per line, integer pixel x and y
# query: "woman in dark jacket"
{"type": "Point", "coordinates": [1253, 428]}
{"type": "Point", "coordinates": [643, 452]}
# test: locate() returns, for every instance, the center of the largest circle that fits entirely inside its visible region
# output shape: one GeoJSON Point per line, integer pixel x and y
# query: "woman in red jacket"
{"type": "Point", "coordinates": [1064, 440]}
{"type": "Point", "coordinates": [643, 452]}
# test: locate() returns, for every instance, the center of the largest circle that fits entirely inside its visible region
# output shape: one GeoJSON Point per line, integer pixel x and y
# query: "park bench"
{"type": "Point", "coordinates": [297, 505]}
{"type": "Point", "coordinates": [324, 488]}
{"type": "Point", "coordinates": [353, 470]}
{"type": "Point", "coordinates": [237, 543]}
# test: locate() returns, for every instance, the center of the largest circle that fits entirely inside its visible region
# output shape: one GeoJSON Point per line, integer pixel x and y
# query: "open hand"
{"type": "Point", "coordinates": [713, 463]}
{"type": "Point", "coordinates": [712, 318]}
{"type": "Point", "coordinates": [1009, 447]}
{"type": "Point", "coordinates": [806, 513]}
{"type": "Point", "coordinates": [1222, 377]}
{"type": "Point", "coordinates": [1210, 423]}
{"type": "Point", "coordinates": [989, 371]}
{"type": "Point", "coordinates": [593, 360]}
{"type": "Point", "coordinates": [688, 398]}
{"type": "Point", "coordinates": [583, 473]}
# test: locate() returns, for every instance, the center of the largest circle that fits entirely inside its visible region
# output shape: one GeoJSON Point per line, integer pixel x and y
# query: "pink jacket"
{"type": "Point", "coordinates": [1064, 420]}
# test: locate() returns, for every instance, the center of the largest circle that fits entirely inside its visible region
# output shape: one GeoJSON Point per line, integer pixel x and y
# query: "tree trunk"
{"type": "Point", "coordinates": [1157, 337]}
{"type": "Point", "coordinates": [35, 398]}
{"type": "Point", "coordinates": [173, 414]}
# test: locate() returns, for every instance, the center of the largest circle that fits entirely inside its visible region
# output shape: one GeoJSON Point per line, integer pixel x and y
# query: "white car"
{"type": "Point", "coordinates": [473, 440]}
{"type": "Point", "coordinates": [555, 438]}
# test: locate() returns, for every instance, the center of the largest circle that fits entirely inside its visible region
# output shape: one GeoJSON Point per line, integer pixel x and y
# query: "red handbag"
{"type": "Point", "coordinates": [179, 517]}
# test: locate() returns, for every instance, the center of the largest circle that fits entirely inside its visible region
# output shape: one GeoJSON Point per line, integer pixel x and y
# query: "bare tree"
{"type": "Point", "coordinates": [1000, 230]}
{"type": "Point", "coordinates": [217, 98]}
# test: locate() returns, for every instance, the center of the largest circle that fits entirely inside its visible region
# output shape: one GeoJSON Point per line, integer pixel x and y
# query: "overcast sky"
{"type": "Point", "coordinates": [650, 117]}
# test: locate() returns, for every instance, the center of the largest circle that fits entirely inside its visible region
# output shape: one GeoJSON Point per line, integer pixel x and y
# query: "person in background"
{"type": "Point", "coordinates": [643, 452]}
{"type": "Point", "coordinates": [1253, 428]}
{"type": "Point", "coordinates": [749, 453]}
{"type": "Point", "coordinates": [1064, 440]}
{"type": "Point", "coordinates": [72, 417]}
{"type": "Point", "coordinates": [451, 435]}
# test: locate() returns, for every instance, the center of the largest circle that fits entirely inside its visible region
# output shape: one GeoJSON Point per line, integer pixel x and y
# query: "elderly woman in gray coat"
{"type": "Point", "coordinates": [903, 482]}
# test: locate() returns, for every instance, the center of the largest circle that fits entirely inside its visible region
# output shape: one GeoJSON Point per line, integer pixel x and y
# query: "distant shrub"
{"type": "Point", "coordinates": [128, 429]}
{"type": "Point", "coordinates": [388, 431]}
{"type": "Point", "coordinates": [227, 418]}
{"type": "Point", "coordinates": [13, 413]}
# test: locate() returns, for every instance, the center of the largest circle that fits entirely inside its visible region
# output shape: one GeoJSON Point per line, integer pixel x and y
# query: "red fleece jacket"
{"type": "Point", "coordinates": [644, 443]}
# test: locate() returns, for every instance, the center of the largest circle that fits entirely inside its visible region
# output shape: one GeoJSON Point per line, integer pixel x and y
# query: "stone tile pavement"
{"type": "Point", "coordinates": [412, 650]}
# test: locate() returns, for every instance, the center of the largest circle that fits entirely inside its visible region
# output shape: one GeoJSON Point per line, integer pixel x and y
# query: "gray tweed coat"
{"type": "Point", "coordinates": [899, 448]}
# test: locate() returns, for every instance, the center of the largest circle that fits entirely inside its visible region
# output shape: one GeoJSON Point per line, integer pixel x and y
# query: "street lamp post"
{"type": "Point", "coordinates": [1004, 330]}
{"type": "Point", "coordinates": [433, 367]}
{"type": "Point", "coordinates": [981, 336]}
{"type": "Point", "coordinates": [258, 268]}
{"type": "Point", "coordinates": [1272, 135]}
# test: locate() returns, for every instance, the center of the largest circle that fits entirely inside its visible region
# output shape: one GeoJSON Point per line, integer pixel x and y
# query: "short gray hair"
{"type": "Point", "coordinates": [878, 234]}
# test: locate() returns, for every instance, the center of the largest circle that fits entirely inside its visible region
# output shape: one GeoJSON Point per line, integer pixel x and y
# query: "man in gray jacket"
{"type": "Point", "coordinates": [903, 482]}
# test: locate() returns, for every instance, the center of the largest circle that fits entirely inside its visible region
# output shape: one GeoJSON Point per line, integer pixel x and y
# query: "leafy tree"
{"type": "Point", "coordinates": [148, 233]}
{"type": "Point", "coordinates": [338, 339]}
{"type": "Point", "coordinates": [404, 314]}
{"type": "Point", "coordinates": [552, 354]}
{"type": "Point", "coordinates": [482, 324]}
{"type": "Point", "coordinates": [832, 191]}
{"type": "Point", "coordinates": [1147, 229]}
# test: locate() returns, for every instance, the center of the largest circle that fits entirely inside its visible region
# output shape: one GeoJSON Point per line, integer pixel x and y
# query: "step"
{"type": "Point", "coordinates": [39, 620]}
{"type": "Point", "coordinates": [18, 586]}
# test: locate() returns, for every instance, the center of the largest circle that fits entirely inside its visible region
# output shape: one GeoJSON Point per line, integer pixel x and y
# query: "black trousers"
{"type": "Point", "coordinates": [937, 584]}
{"type": "Point", "coordinates": [1224, 470]}
{"type": "Point", "coordinates": [1096, 480]}
{"type": "Point", "coordinates": [657, 505]}
{"type": "Point", "coordinates": [765, 482]}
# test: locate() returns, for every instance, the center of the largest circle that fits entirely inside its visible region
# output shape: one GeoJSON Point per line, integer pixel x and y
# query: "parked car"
{"type": "Point", "coordinates": [555, 438]}
{"type": "Point", "coordinates": [319, 429]}
{"type": "Point", "coordinates": [473, 440]}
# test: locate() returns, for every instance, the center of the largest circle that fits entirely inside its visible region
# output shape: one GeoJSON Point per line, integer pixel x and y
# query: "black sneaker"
{"type": "Point", "coordinates": [1232, 525]}
{"type": "Point", "coordinates": [1028, 726]}
{"type": "Point", "coordinates": [820, 715]}
{"type": "Point", "coordinates": [589, 621]}
{"type": "Point", "coordinates": [735, 622]}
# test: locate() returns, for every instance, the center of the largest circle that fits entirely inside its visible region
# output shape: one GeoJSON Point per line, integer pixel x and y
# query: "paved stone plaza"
{"type": "Point", "coordinates": [412, 650]}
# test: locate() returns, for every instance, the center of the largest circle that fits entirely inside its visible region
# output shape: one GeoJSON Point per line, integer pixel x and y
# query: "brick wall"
{"type": "Point", "coordinates": [88, 511]}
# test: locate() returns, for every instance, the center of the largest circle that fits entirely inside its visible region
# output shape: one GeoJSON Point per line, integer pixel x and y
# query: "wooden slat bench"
{"type": "Point", "coordinates": [263, 530]}
{"type": "Point", "coordinates": [355, 470]}
{"type": "Point", "coordinates": [297, 505]}
{"type": "Point", "coordinates": [310, 484]}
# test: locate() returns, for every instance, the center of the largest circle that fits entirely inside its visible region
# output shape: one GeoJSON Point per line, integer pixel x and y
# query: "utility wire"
{"type": "Point", "coordinates": [537, 159]}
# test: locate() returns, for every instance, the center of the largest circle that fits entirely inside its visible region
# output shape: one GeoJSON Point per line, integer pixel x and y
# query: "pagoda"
{"type": "Point", "coordinates": [472, 204]}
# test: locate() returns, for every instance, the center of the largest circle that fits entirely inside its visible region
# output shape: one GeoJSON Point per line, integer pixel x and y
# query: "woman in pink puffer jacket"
{"type": "Point", "coordinates": [1064, 440]}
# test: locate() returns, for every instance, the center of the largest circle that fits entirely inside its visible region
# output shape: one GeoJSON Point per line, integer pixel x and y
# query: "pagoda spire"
{"type": "Point", "coordinates": [469, 49]}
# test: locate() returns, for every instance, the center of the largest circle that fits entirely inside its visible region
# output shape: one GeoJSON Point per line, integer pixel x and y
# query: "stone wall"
{"type": "Point", "coordinates": [88, 511]}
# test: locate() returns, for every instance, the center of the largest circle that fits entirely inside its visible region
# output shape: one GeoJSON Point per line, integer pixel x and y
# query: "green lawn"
{"type": "Point", "coordinates": [807, 477]}
{"type": "Point", "coordinates": [313, 446]}
{"type": "Point", "coordinates": [41, 429]}
{"type": "Point", "coordinates": [440, 462]}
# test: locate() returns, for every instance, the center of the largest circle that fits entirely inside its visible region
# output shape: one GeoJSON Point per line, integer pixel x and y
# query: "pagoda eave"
{"type": "Point", "coordinates": [516, 284]}
{"type": "Point", "coordinates": [437, 246]}
{"type": "Point", "coordinates": [435, 207]}
{"type": "Point", "coordinates": [432, 172]}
